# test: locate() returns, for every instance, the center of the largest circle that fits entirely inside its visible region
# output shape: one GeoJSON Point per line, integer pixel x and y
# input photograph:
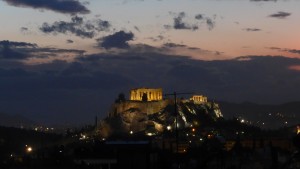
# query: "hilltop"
{"type": "Point", "coordinates": [154, 117]}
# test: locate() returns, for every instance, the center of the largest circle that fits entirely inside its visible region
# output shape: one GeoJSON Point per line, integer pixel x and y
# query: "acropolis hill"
{"type": "Point", "coordinates": [148, 111]}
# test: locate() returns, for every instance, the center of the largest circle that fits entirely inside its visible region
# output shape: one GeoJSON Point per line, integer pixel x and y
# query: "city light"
{"type": "Point", "coordinates": [29, 149]}
{"type": "Point", "coordinates": [149, 134]}
{"type": "Point", "coordinates": [169, 127]}
{"type": "Point", "coordinates": [83, 137]}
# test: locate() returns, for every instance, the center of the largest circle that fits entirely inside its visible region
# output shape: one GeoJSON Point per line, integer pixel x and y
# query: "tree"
{"type": "Point", "coordinates": [121, 98]}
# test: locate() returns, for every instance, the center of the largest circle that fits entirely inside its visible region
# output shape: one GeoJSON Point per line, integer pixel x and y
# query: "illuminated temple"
{"type": "Point", "coordinates": [199, 99]}
{"type": "Point", "coordinates": [149, 94]}
{"type": "Point", "coordinates": [155, 94]}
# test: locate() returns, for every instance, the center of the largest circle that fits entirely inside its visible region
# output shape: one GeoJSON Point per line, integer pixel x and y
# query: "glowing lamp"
{"type": "Point", "coordinates": [29, 149]}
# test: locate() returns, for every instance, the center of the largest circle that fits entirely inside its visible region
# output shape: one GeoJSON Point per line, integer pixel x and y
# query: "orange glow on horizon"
{"type": "Point", "coordinates": [295, 67]}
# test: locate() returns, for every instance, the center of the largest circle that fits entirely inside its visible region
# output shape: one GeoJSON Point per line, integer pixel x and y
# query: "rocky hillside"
{"type": "Point", "coordinates": [156, 116]}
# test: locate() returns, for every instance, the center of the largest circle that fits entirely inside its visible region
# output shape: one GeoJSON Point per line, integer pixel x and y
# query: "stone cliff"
{"type": "Point", "coordinates": [153, 117]}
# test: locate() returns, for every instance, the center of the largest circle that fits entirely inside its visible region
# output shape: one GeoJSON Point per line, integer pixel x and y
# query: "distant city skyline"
{"type": "Point", "coordinates": [66, 61]}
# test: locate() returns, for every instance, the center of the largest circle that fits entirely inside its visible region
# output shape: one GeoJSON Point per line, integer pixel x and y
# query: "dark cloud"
{"type": "Point", "coordinates": [24, 29]}
{"type": "Point", "coordinates": [137, 29]}
{"type": "Point", "coordinates": [252, 29]}
{"type": "Point", "coordinates": [14, 50]}
{"type": "Point", "coordinates": [157, 38]}
{"type": "Point", "coordinates": [172, 45]}
{"type": "Point", "coordinates": [294, 51]}
{"type": "Point", "coordinates": [117, 40]}
{"type": "Point", "coordinates": [251, 78]}
{"type": "Point", "coordinates": [210, 23]}
{"type": "Point", "coordinates": [49, 52]}
{"type": "Point", "coordinates": [70, 41]}
{"type": "Point", "coordinates": [199, 16]}
{"type": "Point", "coordinates": [77, 26]}
{"type": "Point", "coordinates": [103, 25]}
{"type": "Point", "coordinates": [59, 94]}
{"type": "Point", "coordinates": [61, 6]}
{"type": "Point", "coordinates": [8, 44]}
{"type": "Point", "coordinates": [280, 15]}
{"type": "Point", "coordinates": [23, 50]}
{"type": "Point", "coordinates": [180, 24]}
{"type": "Point", "coordinates": [87, 86]}
{"type": "Point", "coordinates": [168, 26]}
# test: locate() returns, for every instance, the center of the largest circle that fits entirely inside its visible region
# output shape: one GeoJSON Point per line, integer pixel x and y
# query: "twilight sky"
{"type": "Point", "coordinates": [65, 61]}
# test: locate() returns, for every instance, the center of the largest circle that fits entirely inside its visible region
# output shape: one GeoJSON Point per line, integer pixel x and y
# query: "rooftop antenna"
{"type": "Point", "coordinates": [176, 119]}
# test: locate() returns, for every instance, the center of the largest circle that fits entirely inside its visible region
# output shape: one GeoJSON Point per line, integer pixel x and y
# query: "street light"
{"type": "Point", "coordinates": [28, 149]}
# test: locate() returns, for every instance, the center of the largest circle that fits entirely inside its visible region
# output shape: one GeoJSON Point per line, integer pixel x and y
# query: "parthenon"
{"type": "Point", "coordinates": [199, 99]}
{"type": "Point", "coordinates": [152, 94]}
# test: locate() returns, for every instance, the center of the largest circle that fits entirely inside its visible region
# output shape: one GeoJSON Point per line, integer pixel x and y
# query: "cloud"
{"type": "Point", "coordinates": [179, 22]}
{"type": "Point", "coordinates": [137, 28]}
{"type": "Point", "coordinates": [199, 16]}
{"type": "Point", "coordinates": [294, 51]}
{"type": "Point", "coordinates": [86, 86]}
{"type": "Point", "coordinates": [252, 29]}
{"type": "Point", "coordinates": [252, 78]}
{"type": "Point", "coordinates": [52, 93]}
{"type": "Point", "coordinates": [295, 67]}
{"type": "Point", "coordinates": [69, 41]}
{"type": "Point", "coordinates": [280, 15]}
{"type": "Point", "coordinates": [210, 22]}
{"type": "Point", "coordinates": [117, 40]}
{"type": "Point", "coordinates": [157, 38]}
{"type": "Point", "coordinates": [8, 44]}
{"type": "Point", "coordinates": [172, 45]}
{"type": "Point", "coordinates": [14, 50]}
{"type": "Point", "coordinates": [24, 29]}
{"type": "Point", "coordinates": [77, 26]}
{"type": "Point", "coordinates": [61, 6]}
{"type": "Point", "coordinates": [22, 50]}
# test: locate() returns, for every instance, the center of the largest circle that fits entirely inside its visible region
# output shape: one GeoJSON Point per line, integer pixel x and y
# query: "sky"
{"type": "Point", "coordinates": [66, 61]}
